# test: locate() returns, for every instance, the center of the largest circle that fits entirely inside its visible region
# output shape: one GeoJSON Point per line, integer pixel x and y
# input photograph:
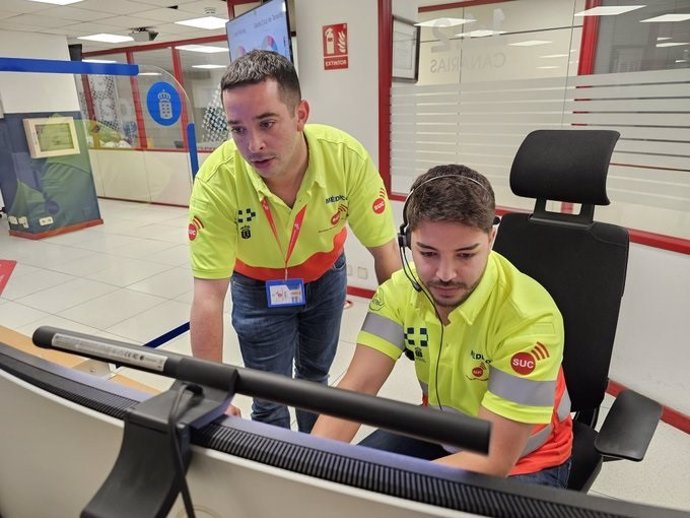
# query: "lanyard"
{"type": "Point", "coordinates": [296, 227]}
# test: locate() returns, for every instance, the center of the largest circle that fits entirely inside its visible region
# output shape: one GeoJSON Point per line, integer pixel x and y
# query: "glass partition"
{"type": "Point", "coordinates": [203, 67]}
{"type": "Point", "coordinates": [491, 73]}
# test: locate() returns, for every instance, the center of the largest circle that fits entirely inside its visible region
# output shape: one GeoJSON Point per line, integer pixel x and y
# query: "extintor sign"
{"type": "Point", "coordinates": [335, 46]}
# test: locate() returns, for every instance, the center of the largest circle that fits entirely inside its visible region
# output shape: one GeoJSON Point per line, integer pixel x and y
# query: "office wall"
{"type": "Point", "coordinates": [24, 92]}
{"type": "Point", "coordinates": [347, 99]}
{"type": "Point", "coordinates": [651, 353]}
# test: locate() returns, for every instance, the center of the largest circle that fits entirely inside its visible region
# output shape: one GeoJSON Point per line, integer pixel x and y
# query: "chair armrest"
{"type": "Point", "coordinates": [628, 427]}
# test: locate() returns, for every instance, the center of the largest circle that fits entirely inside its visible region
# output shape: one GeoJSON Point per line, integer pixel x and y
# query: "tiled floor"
{"type": "Point", "coordinates": [129, 280]}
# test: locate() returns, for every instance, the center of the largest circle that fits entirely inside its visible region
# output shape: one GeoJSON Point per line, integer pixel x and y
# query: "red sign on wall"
{"type": "Point", "coordinates": [334, 46]}
{"type": "Point", "coordinates": [6, 268]}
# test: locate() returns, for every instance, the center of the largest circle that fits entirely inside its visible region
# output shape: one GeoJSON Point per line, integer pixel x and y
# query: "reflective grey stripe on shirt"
{"type": "Point", "coordinates": [536, 440]}
{"type": "Point", "coordinates": [539, 439]}
{"type": "Point", "coordinates": [385, 329]}
{"type": "Point", "coordinates": [563, 409]}
{"type": "Point", "coordinates": [521, 390]}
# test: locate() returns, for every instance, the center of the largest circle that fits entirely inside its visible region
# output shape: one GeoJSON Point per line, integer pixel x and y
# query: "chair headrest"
{"type": "Point", "coordinates": [564, 165]}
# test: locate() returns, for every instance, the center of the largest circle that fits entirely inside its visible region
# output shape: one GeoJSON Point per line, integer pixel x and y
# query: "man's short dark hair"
{"type": "Point", "coordinates": [452, 193]}
{"type": "Point", "coordinates": [258, 66]}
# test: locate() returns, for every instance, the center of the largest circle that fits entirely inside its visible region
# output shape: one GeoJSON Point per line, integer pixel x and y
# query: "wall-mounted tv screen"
{"type": "Point", "coordinates": [265, 27]}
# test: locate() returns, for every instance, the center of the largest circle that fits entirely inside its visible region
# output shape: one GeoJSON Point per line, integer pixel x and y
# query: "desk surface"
{"type": "Point", "coordinates": [24, 343]}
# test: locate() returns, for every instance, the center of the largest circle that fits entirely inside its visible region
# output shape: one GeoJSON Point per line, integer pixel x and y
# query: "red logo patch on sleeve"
{"type": "Point", "coordinates": [194, 227]}
{"type": "Point", "coordinates": [523, 363]}
{"type": "Point", "coordinates": [379, 205]}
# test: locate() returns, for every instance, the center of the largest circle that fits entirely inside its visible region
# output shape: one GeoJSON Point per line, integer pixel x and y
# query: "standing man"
{"type": "Point", "coordinates": [269, 208]}
{"type": "Point", "coordinates": [487, 340]}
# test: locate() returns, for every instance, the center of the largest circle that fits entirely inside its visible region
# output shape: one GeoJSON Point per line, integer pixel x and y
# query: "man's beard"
{"type": "Point", "coordinates": [461, 285]}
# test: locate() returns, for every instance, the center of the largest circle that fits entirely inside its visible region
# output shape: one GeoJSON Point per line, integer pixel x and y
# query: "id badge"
{"type": "Point", "coordinates": [285, 292]}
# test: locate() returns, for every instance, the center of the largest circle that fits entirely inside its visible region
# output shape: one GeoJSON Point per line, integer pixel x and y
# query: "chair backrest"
{"type": "Point", "coordinates": [581, 263]}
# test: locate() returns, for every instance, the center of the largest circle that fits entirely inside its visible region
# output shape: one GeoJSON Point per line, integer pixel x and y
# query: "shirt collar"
{"type": "Point", "coordinates": [315, 169]}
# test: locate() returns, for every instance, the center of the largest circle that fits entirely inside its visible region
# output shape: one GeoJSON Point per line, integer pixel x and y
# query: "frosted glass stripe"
{"type": "Point", "coordinates": [631, 105]}
{"type": "Point", "coordinates": [661, 176]}
{"type": "Point", "coordinates": [671, 162]}
{"type": "Point", "coordinates": [654, 147]}
{"type": "Point", "coordinates": [631, 91]}
{"type": "Point", "coordinates": [630, 119]}
{"type": "Point", "coordinates": [678, 134]}
{"type": "Point", "coordinates": [653, 76]}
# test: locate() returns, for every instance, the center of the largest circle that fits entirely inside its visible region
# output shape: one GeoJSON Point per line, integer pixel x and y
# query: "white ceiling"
{"type": "Point", "coordinates": [112, 16]}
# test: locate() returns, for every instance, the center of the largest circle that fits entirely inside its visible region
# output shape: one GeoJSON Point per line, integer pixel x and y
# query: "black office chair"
{"type": "Point", "coordinates": [582, 263]}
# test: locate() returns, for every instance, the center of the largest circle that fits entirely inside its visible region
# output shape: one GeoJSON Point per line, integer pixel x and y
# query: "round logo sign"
{"type": "Point", "coordinates": [163, 103]}
{"type": "Point", "coordinates": [523, 363]}
{"type": "Point", "coordinates": [192, 231]}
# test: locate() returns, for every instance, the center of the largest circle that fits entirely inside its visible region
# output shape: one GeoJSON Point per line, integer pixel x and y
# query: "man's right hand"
{"type": "Point", "coordinates": [233, 411]}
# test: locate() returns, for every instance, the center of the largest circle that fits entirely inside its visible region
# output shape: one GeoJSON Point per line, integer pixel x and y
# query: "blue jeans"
{"type": "Point", "coordinates": [383, 440]}
{"type": "Point", "coordinates": [275, 339]}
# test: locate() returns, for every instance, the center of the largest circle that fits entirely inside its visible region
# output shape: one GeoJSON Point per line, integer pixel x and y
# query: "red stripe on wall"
{"type": "Point", "coordinates": [669, 415]}
{"type": "Point", "coordinates": [360, 292]}
{"type": "Point", "coordinates": [673, 244]}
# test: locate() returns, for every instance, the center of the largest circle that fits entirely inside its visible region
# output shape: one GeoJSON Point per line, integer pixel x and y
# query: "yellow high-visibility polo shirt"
{"type": "Point", "coordinates": [229, 230]}
{"type": "Point", "coordinates": [502, 349]}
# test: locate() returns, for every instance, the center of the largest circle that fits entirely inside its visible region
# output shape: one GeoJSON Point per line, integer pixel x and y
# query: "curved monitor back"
{"type": "Point", "coordinates": [61, 431]}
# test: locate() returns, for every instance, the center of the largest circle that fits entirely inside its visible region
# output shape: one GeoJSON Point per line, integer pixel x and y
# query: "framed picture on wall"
{"type": "Point", "coordinates": [405, 50]}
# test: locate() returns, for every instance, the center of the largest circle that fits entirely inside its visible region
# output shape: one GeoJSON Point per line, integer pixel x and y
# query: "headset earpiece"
{"type": "Point", "coordinates": [402, 236]}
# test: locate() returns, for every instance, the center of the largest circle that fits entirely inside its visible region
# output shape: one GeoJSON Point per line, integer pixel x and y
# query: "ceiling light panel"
{"type": "Point", "coordinates": [444, 22]}
{"type": "Point", "coordinates": [205, 49]}
{"type": "Point", "coordinates": [206, 22]}
{"type": "Point", "coordinates": [57, 2]}
{"type": "Point", "coordinates": [529, 43]}
{"type": "Point", "coordinates": [106, 38]}
{"type": "Point", "coordinates": [479, 33]}
{"type": "Point", "coordinates": [678, 17]}
{"type": "Point", "coordinates": [609, 10]}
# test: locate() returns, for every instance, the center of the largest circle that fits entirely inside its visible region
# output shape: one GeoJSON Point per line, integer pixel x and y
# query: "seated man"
{"type": "Point", "coordinates": [487, 340]}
